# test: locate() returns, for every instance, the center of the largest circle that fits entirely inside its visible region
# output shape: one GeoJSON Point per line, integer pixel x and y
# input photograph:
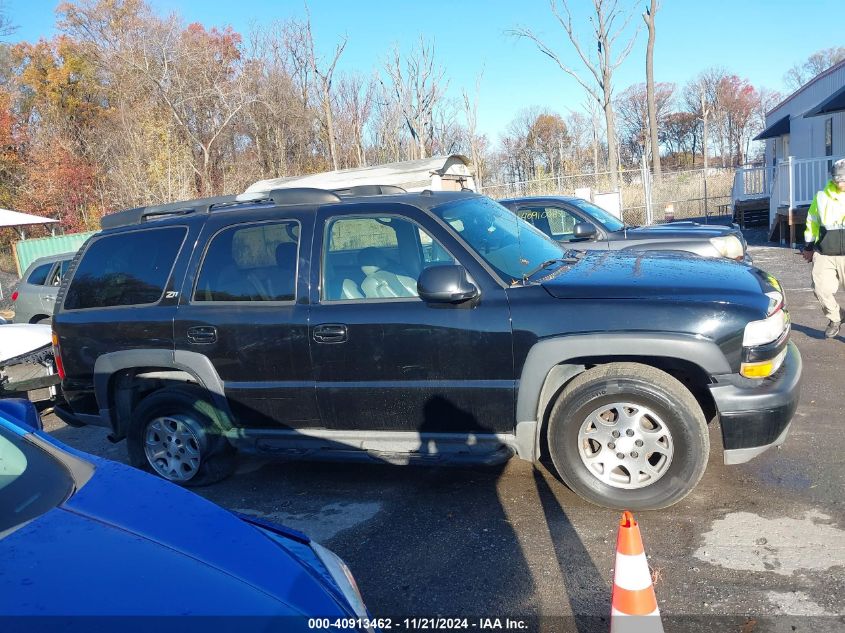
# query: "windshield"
{"type": "Point", "coordinates": [609, 222]}
{"type": "Point", "coordinates": [31, 481]}
{"type": "Point", "coordinates": [510, 245]}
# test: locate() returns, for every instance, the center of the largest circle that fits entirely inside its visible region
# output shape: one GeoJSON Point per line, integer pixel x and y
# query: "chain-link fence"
{"type": "Point", "coordinates": [686, 193]}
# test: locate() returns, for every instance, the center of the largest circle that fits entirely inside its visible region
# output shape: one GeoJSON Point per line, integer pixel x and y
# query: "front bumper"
{"type": "Point", "coordinates": [755, 414]}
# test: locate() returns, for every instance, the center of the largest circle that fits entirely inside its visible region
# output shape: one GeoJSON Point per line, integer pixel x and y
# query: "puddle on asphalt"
{"type": "Point", "coordinates": [746, 541]}
{"type": "Point", "coordinates": [325, 523]}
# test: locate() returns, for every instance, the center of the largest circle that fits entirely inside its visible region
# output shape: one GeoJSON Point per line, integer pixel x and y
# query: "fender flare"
{"type": "Point", "coordinates": [192, 363]}
{"type": "Point", "coordinates": [552, 362]}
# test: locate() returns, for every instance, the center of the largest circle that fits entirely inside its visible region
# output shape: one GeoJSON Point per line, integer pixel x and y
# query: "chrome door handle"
{"type": "Point", "coordinates": [330, 333]}
{"type": "Point", "coordinates": [202, 334]}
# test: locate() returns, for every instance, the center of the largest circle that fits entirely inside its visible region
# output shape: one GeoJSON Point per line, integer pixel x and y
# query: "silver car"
{"type": "Point", "coordinates": [35, 296]}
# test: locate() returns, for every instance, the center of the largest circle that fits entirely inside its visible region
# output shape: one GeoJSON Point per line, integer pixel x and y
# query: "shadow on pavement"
{"type": "Point", "coordinates": [423, 541]}
{"type": "Point", "coordinates": [810, 332]}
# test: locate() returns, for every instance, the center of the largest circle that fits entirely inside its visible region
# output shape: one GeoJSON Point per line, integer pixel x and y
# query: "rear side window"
{"type": "Point", "coordinates": [125, 269]}
{"type": "Point", "coordinates": [58, 273]}
{"type": "Point", "coordinates": [252, 262]}
{"type": "Point", "coordinates": [38, 277]}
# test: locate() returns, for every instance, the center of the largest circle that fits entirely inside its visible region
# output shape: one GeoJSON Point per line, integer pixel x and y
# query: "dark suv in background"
{"type": "Point", "coordinates": [374, 324]}
{"type": "Point", "coordinates": [578, 222]}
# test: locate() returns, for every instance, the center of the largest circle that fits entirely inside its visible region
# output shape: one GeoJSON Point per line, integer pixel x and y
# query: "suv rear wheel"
{"type": "Point", "coordinates": [627, 435]}
{"type": "Point", "coordinates": [175, 434]}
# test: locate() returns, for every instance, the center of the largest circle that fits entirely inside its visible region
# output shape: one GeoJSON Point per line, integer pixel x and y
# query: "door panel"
{"type": "Point", "coordinates": [401, 364]}
{"type": "Point", "coordinates": [240, 309]}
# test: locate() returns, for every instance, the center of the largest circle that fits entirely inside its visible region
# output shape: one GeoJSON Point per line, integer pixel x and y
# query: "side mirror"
{"type": "Point", "coordinates": [445, 284]}
{"type": "Point", "coordinates": [21, 412]}
{"type": "Point", "coordinates": [584, 231]}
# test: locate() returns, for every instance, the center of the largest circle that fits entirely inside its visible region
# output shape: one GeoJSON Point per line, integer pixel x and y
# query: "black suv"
{"type": "Point", "coordinates": [416, 327]}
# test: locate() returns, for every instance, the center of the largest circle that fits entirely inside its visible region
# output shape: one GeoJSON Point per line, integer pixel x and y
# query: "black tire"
{"type": "Point", "coordinates": [637, 384]}
{"type": "Point", "coordinates": [192, 408]}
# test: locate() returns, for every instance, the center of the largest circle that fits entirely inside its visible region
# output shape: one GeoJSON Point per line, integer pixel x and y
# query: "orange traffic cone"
{"type": "Point", "coordinates": [634, 605]}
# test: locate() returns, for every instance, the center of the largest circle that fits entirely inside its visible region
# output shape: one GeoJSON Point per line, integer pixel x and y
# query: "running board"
{"type": "Point", "coordinates": [392, 447]}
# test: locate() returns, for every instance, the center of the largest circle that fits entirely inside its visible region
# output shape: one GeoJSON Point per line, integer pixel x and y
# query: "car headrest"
{"type": "Point", "coordinates": [372, 259]}
{"type": "Point", "coordinates": [285, 254]}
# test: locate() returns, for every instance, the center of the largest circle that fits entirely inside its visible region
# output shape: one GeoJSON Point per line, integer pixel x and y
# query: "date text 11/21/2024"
{"type": "Point", "coordinates": [419, 624]}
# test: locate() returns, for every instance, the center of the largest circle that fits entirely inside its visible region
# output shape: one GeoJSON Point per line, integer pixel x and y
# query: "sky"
{"type": "Point", "coordinates": [755, 39]}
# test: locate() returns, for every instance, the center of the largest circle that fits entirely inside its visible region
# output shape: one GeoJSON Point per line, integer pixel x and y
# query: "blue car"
{"type": "Point", "coordinates": [84, 536]}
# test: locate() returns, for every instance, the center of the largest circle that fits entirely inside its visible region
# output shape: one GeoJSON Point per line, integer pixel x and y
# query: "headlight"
{"type": "Point", "coordinates": [343, 578]}
{"type": "Point", "coordinates": [766, 331]}
{"type": "Point", "coordinates": [728, 246]}
{"type": "Point", "coordinates": [761, 333]}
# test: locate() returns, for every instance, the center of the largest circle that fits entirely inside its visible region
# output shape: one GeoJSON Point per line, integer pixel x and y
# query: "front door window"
{"type": "Point", "coordinates": [376, 258]}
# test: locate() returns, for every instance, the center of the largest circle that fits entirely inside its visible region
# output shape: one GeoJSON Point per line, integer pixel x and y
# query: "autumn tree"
{"type": "Point", "coordinates": [738, 102]}
{"type": "Point", "coordinates": [549, 138]}
{"type": "Point", "coordinates": [681, 135]}
{"type": "Point", "coordinates": [193, 72]}
{"type": "Point", "coordinates": [609, 23]}
{"type": "Point", "coordinates": [62, 105]}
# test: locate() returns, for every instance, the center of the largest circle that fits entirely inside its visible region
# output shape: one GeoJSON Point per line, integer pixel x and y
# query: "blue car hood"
{"type": "Point", "coordinates": [129, 543]}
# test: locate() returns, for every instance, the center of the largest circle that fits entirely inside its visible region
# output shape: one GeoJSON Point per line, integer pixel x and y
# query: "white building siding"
{"type": "Point", "coordinates": [806, 137]}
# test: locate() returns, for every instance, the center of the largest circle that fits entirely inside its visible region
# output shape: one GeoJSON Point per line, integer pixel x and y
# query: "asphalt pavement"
{"type": "Point", "coordinates": [756, 547]}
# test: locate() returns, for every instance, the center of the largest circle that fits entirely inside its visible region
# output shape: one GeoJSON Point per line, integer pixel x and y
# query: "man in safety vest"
{"type": "Point", "coordinates": [825, 245]}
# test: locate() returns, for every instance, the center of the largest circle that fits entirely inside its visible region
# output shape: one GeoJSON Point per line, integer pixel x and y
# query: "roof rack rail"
{"type": "Point", "coordinates": [293, 196]}
{"type": "Point", "coordinates": [141, 214]}
{"type": "Point", "coordinates": [370, 190]}
{"type": "Point", "coordinates": [300, 195]}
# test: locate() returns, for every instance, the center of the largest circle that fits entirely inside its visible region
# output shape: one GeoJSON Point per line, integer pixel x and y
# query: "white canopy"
{"type": "Point", "coordinates": [412, 175]}
{"type": "Point", "coordinates": [16, 218]}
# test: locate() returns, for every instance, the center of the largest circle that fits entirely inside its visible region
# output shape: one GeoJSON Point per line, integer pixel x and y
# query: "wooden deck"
{"type": "Point", "coordinates": [790, 222]}
{"type": "Point", "coordinates": [751, 212]}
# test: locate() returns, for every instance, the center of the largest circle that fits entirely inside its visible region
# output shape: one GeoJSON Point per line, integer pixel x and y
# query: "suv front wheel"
{"type": "Point", "coordinates": [628, 436]}
{"type": "Point", "coordinates": [175, 434]}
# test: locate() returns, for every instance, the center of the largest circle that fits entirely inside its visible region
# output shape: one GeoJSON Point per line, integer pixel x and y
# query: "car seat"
{"type": "Point", "coordinates": [379, 282]}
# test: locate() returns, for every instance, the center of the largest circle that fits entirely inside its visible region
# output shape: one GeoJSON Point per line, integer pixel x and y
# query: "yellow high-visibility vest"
{"type": "Point", "coordinates": [827, 210]}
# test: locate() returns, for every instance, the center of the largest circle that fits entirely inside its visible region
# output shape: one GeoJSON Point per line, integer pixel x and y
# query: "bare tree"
{"type": "Point", "coordinates": [609, 22]}
{"type": "Point", "coordinates": [355, 96]}
{"type": "Point", "coordinates": [633, 113]}
{"type": "Point", "coordinates": [701, 97]}
{"type": "Point", "coordinates": [649, 16]}
{"type": "Point", "coordinates": [417, 86]}
{"type": "Point", "coordinates": [471, 114]}
{"type": "Point", "coordinates": [815, 64]}
{"type": "Point", "coordinates": [324, 75]}
{"type": "Point", "coordinates": [6, 26]}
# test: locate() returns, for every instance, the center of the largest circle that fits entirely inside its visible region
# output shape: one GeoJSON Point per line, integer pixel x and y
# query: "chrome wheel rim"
{"type": "Point", "coordinates": [172, 448]}
{"type": "Point", "coordinates": [625, 445]}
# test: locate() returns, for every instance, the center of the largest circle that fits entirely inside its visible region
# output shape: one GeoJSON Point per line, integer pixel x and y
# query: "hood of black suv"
{"type": "Point", "coordinates": [656, 275]}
